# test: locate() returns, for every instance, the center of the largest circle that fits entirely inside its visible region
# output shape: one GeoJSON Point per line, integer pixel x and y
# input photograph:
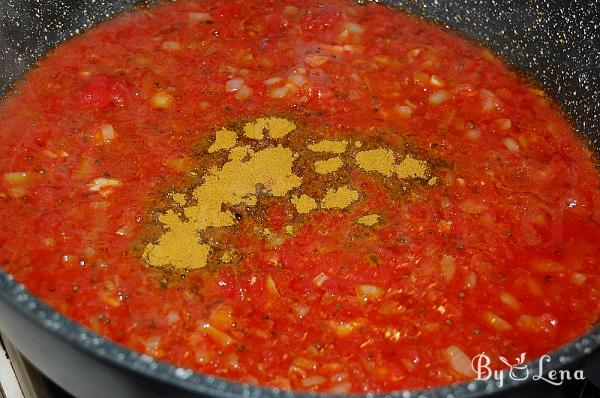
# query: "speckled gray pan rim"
{"type": "Point", "coordinates": [98, 346]}
{"type": "Point", "coordinates": [555, 43]}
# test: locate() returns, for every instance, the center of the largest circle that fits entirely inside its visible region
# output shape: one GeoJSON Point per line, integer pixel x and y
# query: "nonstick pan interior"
{"type": "Point", "coordinates": [555, 43]}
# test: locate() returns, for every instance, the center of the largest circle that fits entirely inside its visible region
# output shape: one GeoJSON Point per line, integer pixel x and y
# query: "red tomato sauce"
{"type": "Point", "coordinates": [499, 254]}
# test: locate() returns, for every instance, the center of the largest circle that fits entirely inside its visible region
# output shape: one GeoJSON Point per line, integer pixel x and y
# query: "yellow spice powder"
{"type": "Point", "coordinates": [226, 258]}
{"type": "Point", "coordinates": [382, 161]}
{"type": "Point", "coordinates": [339, 198]}
{"type": "Point", "coordinates": [330, 146]}
{"type": "Point", "coordinates": [304, 203]}
{"type": "Point", "coordinates": [224, 139]}
{"type": "Point", "coordinates": [179, 198]}
{"type": "Point", "coordinates": [378, 160]}
{"type": "Point", "coordinates": [412, 168]}
{"type": "Point", "coordinates": [369, 220]}
{"type": "Point", "coordinates": [329, 165]}
{"type": "Point", "coordinates": [277, 128]}
{"type": "Point", "coordinates": [234, 183]}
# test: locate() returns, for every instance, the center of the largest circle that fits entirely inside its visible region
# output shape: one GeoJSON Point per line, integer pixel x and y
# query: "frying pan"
{"type": "Point", "coordinates": [556, 43]}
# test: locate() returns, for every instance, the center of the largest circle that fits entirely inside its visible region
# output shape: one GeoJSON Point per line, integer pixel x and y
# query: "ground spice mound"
{"type": "Point", "coordinates": [250, 174]}
{"type": "Point", "coordinates": [304, 203]}
{"type": "Point", "coordinates": [383, 161]}
{"type": "Point", "coordinates": [329, 165]}
{"type": "Point", "coordinates": [379, 160]}
{"type": "Point", "coordinates": [277, 128]}
{"type": "Point", "coordinates": [330, 146]}
{"type": "Point", "coordinates": [234, 183]}
{"type": "Point", "coordinates": [224, 139]}
{"type": "Point", "coordinates": [369, 220]}
{"type": "Point", "coordinates": [339, 198]}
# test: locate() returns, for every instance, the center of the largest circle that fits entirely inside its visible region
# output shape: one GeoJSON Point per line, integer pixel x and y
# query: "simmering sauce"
{"type": "Point", "coordinates": [313, 195]}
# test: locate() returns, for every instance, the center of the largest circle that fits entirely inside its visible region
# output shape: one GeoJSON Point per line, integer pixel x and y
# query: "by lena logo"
{"type": "Point", "coordinates": [518, 370]}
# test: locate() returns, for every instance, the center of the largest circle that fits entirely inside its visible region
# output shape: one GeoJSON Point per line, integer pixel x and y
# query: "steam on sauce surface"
{"type": "Point", "coordinates": [309, 195]}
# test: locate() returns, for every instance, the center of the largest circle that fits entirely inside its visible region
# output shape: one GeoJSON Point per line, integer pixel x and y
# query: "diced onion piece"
{"type": "Point", "coordinates": [273, 80]}
{"type": "Point", "coordinates": [472, 206]}
{"type": "Point", "coordinates": [404, 111]}
{"type": "Point", "coordinates": [526, 322]}
{"type": "Point", "coordinates": [490, 100]}
{"type": "Point", "coordinates": [301, 310]}
{"type": "Point", "coordinates": [271, 287]}
{"type": "Point", "coordinates": [305, 363]}
{"type": "Point", "coordinates": [382, 60]}
{"type": "Point", "coordinates": [152, 345]}
{"type": "Point", "coordinates": [243, 93]}
{"type": "Point", "coordinates": [297, 79]}
{"type": "Point", "coordinates": [221, 316]}
{"type": "Point", "coordinates": [438, 97]}
{"type": "Point", "coordinates": [578, 279]}
{"type": "Point", "coordinates": [510, 300]}
{"type": "Point", "coordinates": [100, 183]}
{"type": "Point", "coordinates": [353, 27]}
{"type": "Point", "coordinates": [171, 45]}
{"type": "Point", "coordinates": [172, 317]}
{"type": "Point", "coordinates": [99, 205]}
{"type": "Point", "coordinates": [279, 92]}
{"type": "Point", "coordinates": [547, 266]}
{"type": "Point", "coordinates": [511, 145]}
{"type": "Point", "coordinates": [473, 134]}
{"type": "Point", "coordinates": [341, 388]}
{"type": "Point", "coordinates": [124, 230]}
{"type": "Point", "coordinates": [366, 292]}
{"type": "Point", "coordinates": [471, 280]}
{"type": "Point", "coordinates": [495, 321]}
{"type": "Point", "coordinates": [108, 132]}
{"type": "Point", "coordinates": [316, 60]}
{"type": "Point", "coordinates": [16, 178]}
{"type": "Point", "coordinates": [504, 124]}
{"type": "Point", "coordinates": [459, 361]}
{"type": "Point", "coordinates": [217, 335]}
{"type": "Point", "coordinates": [533, 286]}
{"type": "Point", "coordinates": [390, 307]}
{"type": "Point", "coordinates": [199, 16]}
{"type": "Point", "coordinates": [436, 81]}
{"type": "Point", "coordinates": [290, 10]}
{"type": "Point", "coordinates": [414, 52]}
{"type": "Point", "coordinates": [234, 85]}
{"type": "Point", "coordinates": [351, 48]}
{"type": "Point", "coordinates": [50, 154]}
{"type": "Point", "coordinates": [313, 381]}
{"type": "Point", "coordinates": [297, 371]}
{"type": "Point", "coordinates": [343, 329]}
{"type": "Point", "coordinates": [448, 266]}
{"type": "Point", "coordinates": [320, 279]}
{"type": "Point", "coordinates": [181, 164]}
{"type": "Point", "coordinates": [162, 100]}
